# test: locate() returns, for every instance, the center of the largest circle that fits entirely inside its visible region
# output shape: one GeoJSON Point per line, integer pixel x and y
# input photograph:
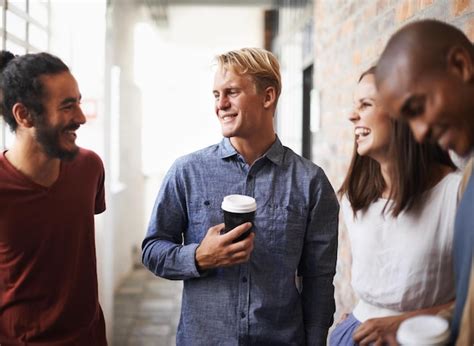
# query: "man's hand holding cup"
{"type": "Point", "coordinates": [230, 243]}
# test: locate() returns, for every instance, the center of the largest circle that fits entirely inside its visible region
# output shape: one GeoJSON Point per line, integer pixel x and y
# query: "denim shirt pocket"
{"type": "Point", "coordinates": [288, 227]}
{"type": "Point", "coordinates": [203, 213]}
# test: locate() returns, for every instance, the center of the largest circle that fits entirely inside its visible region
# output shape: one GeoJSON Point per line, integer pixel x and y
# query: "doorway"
{"type": "Point", "coordinates": [306, 131]}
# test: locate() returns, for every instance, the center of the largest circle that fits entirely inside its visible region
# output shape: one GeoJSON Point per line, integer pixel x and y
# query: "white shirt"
{"type": "Point", "coordinates": [404, 263]}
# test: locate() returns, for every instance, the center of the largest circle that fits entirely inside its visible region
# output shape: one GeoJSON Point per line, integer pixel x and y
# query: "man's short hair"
{"type": "Point", "coordinates": [258, 63]}
{"type": "Point", "coordinates": [20, 82]}
{"type": "Point", "coordinates": [426, 43]}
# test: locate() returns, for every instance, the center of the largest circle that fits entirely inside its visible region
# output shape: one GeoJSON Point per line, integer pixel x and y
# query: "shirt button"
{"type": "Point", "coordinates": [244, 279]}
{"type": "Point", "coordinates": [242, 315]}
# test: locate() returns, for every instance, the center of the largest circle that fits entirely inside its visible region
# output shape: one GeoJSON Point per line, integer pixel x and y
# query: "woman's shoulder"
{"type": "Point", "coordinates": [450, 182]}
{"type": "Point", "coordinates": [446, 190]}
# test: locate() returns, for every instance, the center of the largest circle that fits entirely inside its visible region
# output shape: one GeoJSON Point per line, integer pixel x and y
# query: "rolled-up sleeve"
{"type": "Point", "coordinates": [163, 252]}
{"type": "Point", "coordinates": [318, 262]}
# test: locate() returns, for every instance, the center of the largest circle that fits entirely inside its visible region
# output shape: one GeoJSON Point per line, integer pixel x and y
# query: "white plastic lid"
{"type": "Point", "coordinates": [239, 204]}
{"type": "Point", "coordinates": [423, 330]}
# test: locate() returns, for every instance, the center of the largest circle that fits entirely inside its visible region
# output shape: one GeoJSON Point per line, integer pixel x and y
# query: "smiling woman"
{"type": "Point", "coordinates": [392, 190]}
{"type": "Point", "coordinates": [387, 161]}
{"type": "Point", "coordinates": [372, 124]}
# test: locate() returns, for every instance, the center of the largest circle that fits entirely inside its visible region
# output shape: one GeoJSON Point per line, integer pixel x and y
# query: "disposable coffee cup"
{"type": "Point", "coordinates": [423, 330]}
{"type": "Point", "coordinates": [238, 209]}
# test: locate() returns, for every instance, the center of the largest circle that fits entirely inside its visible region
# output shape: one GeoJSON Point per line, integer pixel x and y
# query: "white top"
{"type": "Point", "coordinates": [404, 263]}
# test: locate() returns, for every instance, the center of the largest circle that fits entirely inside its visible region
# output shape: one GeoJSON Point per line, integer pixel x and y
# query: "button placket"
{"type": "Point", "coordinates": [244, 300]}
{"type": "Point", "coordinates": [250, 184]}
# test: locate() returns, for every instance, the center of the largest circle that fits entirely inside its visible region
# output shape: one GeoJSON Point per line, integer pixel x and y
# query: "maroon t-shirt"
{"type": "Point", "coordinates": [48, 276]}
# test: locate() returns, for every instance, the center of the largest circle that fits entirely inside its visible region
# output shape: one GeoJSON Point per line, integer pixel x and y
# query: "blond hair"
{"type": "Point", "coordinates": [258, 63]}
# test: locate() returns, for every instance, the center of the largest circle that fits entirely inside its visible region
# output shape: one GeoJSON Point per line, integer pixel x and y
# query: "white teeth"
{"type": "Point", "coordinates": [227, 117]}
{"type": "Point", "coordinates": [361, 131]}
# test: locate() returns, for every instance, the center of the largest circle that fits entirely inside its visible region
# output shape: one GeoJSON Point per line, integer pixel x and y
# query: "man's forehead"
{"type": "Point", "coordinates": [398, 79]}
{"type": "Point", "coordinates": [228, 77]}
{"type": "Point", "coordinates": [60, 83]}
{"type": "Point", "coordinates": [60, 90]}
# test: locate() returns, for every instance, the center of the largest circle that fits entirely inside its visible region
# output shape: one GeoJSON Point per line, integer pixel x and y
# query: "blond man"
{"type": "Point", "coordinates": [244, 292]}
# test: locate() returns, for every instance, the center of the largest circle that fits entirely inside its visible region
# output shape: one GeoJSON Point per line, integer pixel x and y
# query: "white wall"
{"type": "Point", "coordinates": [175, 74]}
{"type": "Point", "coordinates": [174, 69]}
{"type": "Point", "coordinates": [125, 218]}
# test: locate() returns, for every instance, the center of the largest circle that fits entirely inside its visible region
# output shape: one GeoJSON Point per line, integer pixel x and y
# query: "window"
{"type": "Point", "coordinates": [24, 26]}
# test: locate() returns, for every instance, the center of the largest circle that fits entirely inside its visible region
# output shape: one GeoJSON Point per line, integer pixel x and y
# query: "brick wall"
{"type": "Point", "coordinates": [349, 36]}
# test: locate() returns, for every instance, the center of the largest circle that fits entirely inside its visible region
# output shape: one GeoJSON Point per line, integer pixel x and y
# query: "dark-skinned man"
{"type": "Point", "coordinates": [426, 76]}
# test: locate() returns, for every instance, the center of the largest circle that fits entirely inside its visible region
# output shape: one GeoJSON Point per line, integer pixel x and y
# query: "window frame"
{"type": "Point", "coordinates": [25, 43]}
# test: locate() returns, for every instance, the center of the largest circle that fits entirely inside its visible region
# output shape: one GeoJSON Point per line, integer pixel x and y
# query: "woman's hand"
{"type": "Point", "coordinates": [378, 331]}
{"type": "Point", "coordinates": [382, 331]}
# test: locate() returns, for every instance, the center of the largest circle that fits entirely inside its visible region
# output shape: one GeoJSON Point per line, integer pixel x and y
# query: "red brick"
{"type": "Point", "coordinates": [424, 3]}
{"type": "Point", "coordinates": [402, 10]}
{"type": "Point", "coordinates": [370, 12]}
{"type": "Point", "coordinates": [406, 10]}
{"type": "Point", "coordinates": [469, 29]}
{"type": "Point", "coordinates": [381, 6]}
{"type": "Point", "coordinates": [347, 28]}
{"type": "Point", "coordinates": [356, 58]}
{"type": "Point", "coordinates": [460, 6]}
{"type": "Point", "coordinates": [319, 12]}
{"type": "Point", "coordinates": [379, 46]}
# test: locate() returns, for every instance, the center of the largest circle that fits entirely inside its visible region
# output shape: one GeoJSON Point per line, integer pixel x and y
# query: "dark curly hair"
{"type": "Point", "coordinates": [20, 82]}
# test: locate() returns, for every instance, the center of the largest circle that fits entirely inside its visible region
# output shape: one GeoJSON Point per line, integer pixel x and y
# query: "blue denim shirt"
{"type": "Point", "coordinates": [296, 222]}
{"type": "Point", "coordinates": [463, 252]}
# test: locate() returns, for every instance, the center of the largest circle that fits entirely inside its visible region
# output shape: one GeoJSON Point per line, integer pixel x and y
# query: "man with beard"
{"type": "Point", "coordinates": [426, 77]}
{"type": "Point", "coordinates": [50, 190]}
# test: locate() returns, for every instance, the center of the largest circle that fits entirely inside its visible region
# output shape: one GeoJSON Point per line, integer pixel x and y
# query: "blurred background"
{"type": "Point", "coordinates": [145, 70]}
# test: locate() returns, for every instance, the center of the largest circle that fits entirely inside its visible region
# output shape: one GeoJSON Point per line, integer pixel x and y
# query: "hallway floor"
{"type": "Point", "coordinates": [146, 310]}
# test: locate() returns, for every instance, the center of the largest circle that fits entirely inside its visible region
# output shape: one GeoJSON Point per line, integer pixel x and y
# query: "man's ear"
{"type": "Point", "coordinates": [459, 62]}
{"type": "Point", "coordinates": [270, 97]}
{"type": "Point", "coordinates": [22, 115]}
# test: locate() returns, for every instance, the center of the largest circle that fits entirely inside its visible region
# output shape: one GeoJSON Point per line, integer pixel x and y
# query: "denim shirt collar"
{"type": "Point", "coordinates": [274, 154]}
